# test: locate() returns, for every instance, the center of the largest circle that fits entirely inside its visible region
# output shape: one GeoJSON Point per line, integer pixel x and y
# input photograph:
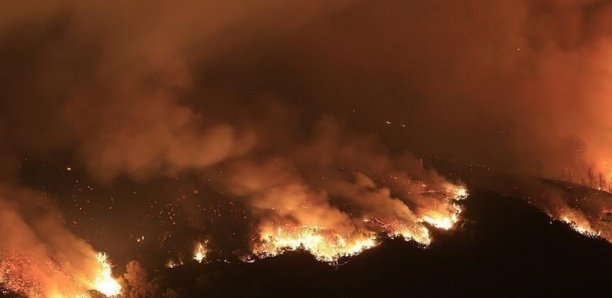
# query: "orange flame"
{"type": "Point", "coordinates": [199, 253]}
{"type": "Point", "coordinates": [446, 218]}
{"type": "Point", "coordinates": [325, 245]}
{"type": "Point", "coordinates": [104, 282]}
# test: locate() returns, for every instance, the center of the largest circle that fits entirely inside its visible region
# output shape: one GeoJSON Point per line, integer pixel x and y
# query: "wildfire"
{"type": "Point", "coordinates": [581, 227]}
{"type": "Point", "coordinates": [330, 241]}
{"type": "Point", "coordinates": [199, 253]}
{"type": "Point", "coordinates": [446, 218]}
{"type": "Point", "coordinates": [443, 220]}
{"type": "Point", "coordinates": [328, 245]}
{"type": "Point", "coordinates": [104, 282]}
{"type": "Point", "coordinates": [577, 221]}
{"type": "Point", "coordinates": [323, 244]}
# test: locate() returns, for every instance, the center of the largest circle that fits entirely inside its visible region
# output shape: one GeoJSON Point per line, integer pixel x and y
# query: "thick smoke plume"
{"type": "Point", "coordinates": [307, 108]}
{"type": "Point", "coordinates": [521, 85]}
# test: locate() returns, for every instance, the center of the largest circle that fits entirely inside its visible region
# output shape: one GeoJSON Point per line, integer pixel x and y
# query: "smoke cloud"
{"type": "Point", "coordinates": [179, 86]}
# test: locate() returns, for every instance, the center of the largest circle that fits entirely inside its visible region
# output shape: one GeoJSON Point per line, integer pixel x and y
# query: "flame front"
{"type": "Point", "coordinates": [325, 245]}
{"type": "Point", "coordinates": [328, 244]}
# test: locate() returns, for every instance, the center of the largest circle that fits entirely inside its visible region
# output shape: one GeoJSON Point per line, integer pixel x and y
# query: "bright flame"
{"type": "Point", "coordinates": [323, 244]}
{"type": "Point", "coordinates": [441, 222]}
{"type": "Point", "coordinates": [199, 253]}
{"type": "Point", "coordinates": [104, 282]}
{"type": "Point", "coordinates": [445, 219]}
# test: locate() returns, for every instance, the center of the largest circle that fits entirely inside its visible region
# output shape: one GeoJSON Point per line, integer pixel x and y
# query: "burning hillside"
{"type": "Point", "coordinates": [175, 135]}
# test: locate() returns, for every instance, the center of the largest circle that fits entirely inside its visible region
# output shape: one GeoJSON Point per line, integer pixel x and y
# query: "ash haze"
{"type": "Point", "coordinates": [254, 123]}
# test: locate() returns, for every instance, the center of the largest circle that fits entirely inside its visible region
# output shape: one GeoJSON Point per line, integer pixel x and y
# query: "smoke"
{"type": "Point", "coordinates": [517, 85]}
{"type": "Point", "coordinates": [492, 83]}
{"type": "Point", "coordinates": [309, 108]}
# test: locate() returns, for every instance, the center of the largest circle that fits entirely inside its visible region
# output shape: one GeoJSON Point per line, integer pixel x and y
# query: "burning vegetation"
{"type": "Point", "coordinates": [324, 245]}
{"type": "Point", "coordinates": [24, 276]}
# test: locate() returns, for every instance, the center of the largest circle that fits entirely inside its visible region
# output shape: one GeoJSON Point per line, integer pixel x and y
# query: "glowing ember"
{"type": "Point", "coordinates": [199, 253]}
{"type": "Point", "coordinates": [323, 244]}
{"type": "Point", "coordinates": [173, 264]}
{"type": "Point", "coordinates": [105, 283]}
